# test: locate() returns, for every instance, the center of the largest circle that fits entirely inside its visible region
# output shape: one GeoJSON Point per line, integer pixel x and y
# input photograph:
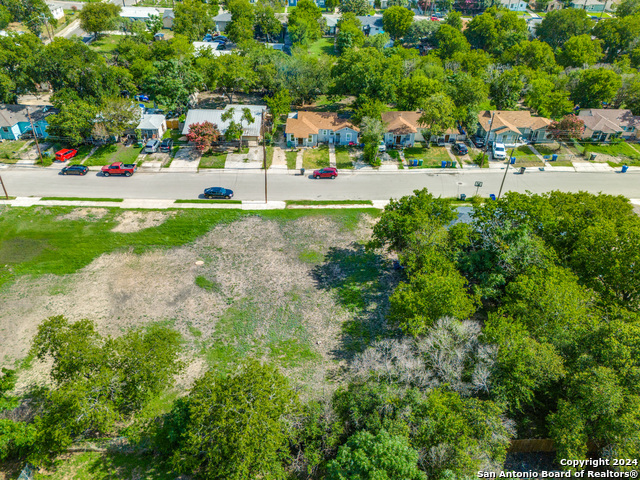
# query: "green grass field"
{"type": "Point", "coordinates": [431, 157]}
{"type": "Point", "coordinates": [9, 150]}
{"type": "Point", "coordinates": [343, 159]}
{"type": "Point", "coordinates": [324, 46]}
{"type": "Point", "coordinates": [213, 160]}
{"type": "Point", "coordinates": [316, 157]}
{"type": "Point", "coordinates": [621, 149]}
{"type": "Point", "coordinates": [291, 159]}
{"type": "Point", "coordinates": [108, 154]}
{"type": "Point", "coordinates": [329, 202]}
{"type": "Point", "coordinates": [106, 44]}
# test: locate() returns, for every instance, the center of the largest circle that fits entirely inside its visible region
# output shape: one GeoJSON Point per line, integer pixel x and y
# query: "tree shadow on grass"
{"type": "Point", "coordinates": [361, 282]}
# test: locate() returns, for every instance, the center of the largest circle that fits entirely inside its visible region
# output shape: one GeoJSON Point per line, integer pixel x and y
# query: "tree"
{"type": "Point", "coordinates": [98, 17]}
{"type": "Point", "coordinates": [371, 132]}
{"type": "Point", "coordinates": [627, 8]}
{"type": "Point", "coordinates": [413, 91]}
{"type": "Point", "coordinates": [306, 23]}
{"type": "Point", "coordinates": [305, 76]}
{"type": "Point", "coordinates": [396, 21]}
{"type": "Point", "coordinates": [154, 24]}
{"type": "Point", "coordinates": [618, 35]}
{"type": "Point", "coordinates": [505, 89]}
{"type": "Point", "coordinates": [266, 22]}
{"type": "Point", "coordinates": [229, 73]}
{"type": "Point", "coordinates": [194, 18]}
{"type": "Point", "coordinates": [331, 5]}
{"type": "Point", "coordinates": [421, 30]}
{"type": "Point", "coordinates": [535, 55]}
{"type": "Point", "coordinates": [496, 30]}
{"type": "Point", "coordinates": [74, 121]}
{"type": "Point", "coordinates": [450, 42]}
{"type": "Point", "coordinates": [242, 21]}
{"type": "Point", "coordinates": [437, 115]}
{"type": "Point", "coordinates": [20, 65]}
{"type": "Point", "coordinates": [454, 19]}
{"type": "Point", "coordinates": [234, 130]}
{"type": "Point", "coordinates": [558, 26]}
{"type": "Point", "coordinates": [279, 104]}
{"type": "Point", "coordinates": [579, 51]}
{"type": "Point", "coordinates": [629, 94]}
{"type": "Point", "coordinates": [203, 135]}
{"type": "Point", "coordinates": [380, 457]}
{"type": "Point", "coordinates": [349, 33]}
{"type": "Point", "coordinates": [543, 96]}
{"type": "Point", "coordinates": [116, 115]}
{"type": "Point", "coordinates": [236, 425]}
{"type": "Point", "coordinates": [5, 17]}
{"type": "Point", "coordinates": [34, 14]}
{"type": "Point", "coordinates": [177, 82]}
{"type": "Point", "coordinates": [570, 126]}
{"type": "Point", "coordinates": [357, 7]}
{"type": "Point", "coordinates": [595, 87]}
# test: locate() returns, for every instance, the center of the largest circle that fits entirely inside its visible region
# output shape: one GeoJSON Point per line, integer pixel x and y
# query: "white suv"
{"type": "Point", "coordinates": [499, 152]}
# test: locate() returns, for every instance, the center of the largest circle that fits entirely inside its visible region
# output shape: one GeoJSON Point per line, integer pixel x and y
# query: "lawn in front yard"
{"type": "Point", "coordinates": [213, 160]}
{"type": "Point", "coordinates": [343, 157]}
{"type": "Point", "coordinates": [431, 157]}
{"type": "Point", "coordinates": [291, 159]}
{"type": "Point", "coordinates": [322, 46]}
{"type": "Point", "coordinates": [524, 154]}
{"type": "Point", "coordinates": [269, 156]}
{"type": "Point", "coordinates": [9, 150]}
{"type": "Point", "coordinates": [621, 149]}
{"type": "Point", "coordinates": [106, 44]}
{"type": "Point", "coordinates": [115, 152]}
{"type": "Point", "coordinates": [316, 157]}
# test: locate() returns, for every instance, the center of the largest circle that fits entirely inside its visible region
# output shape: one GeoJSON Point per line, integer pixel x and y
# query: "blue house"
{"type": "Point", "coordinates": [14, 121]}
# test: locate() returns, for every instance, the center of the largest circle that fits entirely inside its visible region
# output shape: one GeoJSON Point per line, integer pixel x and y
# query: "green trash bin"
{"type": "Point", "coordinates": [453, 164]}
{"type": "Point", "coordinates": [419, 162]}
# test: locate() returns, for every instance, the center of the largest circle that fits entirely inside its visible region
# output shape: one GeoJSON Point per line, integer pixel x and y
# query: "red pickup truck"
{"type": "Point", "coordinates": [119, 168]}
{"type": "Point", "coordinates": [66, 154]}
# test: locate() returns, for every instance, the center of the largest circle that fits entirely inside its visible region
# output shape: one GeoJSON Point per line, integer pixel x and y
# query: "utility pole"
{"type": "Point", "coordinates": [264, 154]}
{"type": "Point", "coordinates": [505, 172]}
{"type": "Point", "coordinates": [486, 140]}
{"type": "Point", "coordinates": [3, 188]}
{"type": "Point", "coordinates": [35, 135]}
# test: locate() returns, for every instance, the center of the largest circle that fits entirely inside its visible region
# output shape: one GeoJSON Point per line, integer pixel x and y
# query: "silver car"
{"type": "Point", "coordinates": [152, 146]}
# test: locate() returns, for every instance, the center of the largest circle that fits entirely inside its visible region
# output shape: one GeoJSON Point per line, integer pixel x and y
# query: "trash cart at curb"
{"type": "Point", "coordinates": [625, 168]}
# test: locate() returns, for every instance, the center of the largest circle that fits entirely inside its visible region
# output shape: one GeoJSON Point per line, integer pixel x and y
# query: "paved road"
{"type": "Point", "coordinates": [250, 186]}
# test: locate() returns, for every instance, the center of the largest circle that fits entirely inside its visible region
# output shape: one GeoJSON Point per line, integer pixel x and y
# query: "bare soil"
{"type": "Point", "coordinates": [251, 258]}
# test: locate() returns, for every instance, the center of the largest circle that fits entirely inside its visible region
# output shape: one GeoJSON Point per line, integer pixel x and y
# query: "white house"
{"type": "Point", "coordinates": [138, 13]}
{"type": "Point", "coordinates": [152, 125]}
{"type": "Point", "coordinates": [251, 131]}
{"type": "Point", "coordinates": [56, 11]}
{"type": "Point", "coordinates": [514, 5]}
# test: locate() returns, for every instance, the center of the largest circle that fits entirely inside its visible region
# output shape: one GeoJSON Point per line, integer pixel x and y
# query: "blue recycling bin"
{"type": "Point", "coordinates": [554, 157]}
{"type": "Point", "coordinates": [513, 160]}
{"type": "Point", "coordinates": [444, 164]}
{"type": "Point", "coordinates": [492, 196]}
{"type": "Point", "coordinates": [625, 168]}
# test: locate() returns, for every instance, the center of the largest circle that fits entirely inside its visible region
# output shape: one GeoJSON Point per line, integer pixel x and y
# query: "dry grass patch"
{"type": "Point", "coordinates": [134, 221]}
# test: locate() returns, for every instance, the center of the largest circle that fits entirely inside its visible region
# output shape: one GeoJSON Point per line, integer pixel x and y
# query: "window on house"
{"type": "Point", "coordinates": [348, 137]}
{"type": "Point", "coordinates": [5, 129]}
{"type": "Point", "coordinates": [310, 139]}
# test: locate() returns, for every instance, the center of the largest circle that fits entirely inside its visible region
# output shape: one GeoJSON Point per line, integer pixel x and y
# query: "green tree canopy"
{"type": "Point", "coordinates": [194, 18]}
{"type": "Point", "coordinates": [242, 23]}
{"type": "Point", "coordinates": [396, 21]}
{"type": "Point", "coordinates": [357, 7]}
{"type": "Point", "coordinates": [99, 16]}
{"type": "Point", "coordinates": [306, 23]}
{"type": "Point", "coordinates": [505, 89]}
{"type": "Point", "coordinates": [558, 26]}
{"type": "Point", "coordinates": [496, 30]}
{"type": "Point", "coordinates": [579, 51]}
{"type": "Point", "coordinates": [596, 86]}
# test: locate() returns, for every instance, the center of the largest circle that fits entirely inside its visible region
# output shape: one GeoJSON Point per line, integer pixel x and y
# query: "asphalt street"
{"type": "Point", "coordinates": [357, 186]}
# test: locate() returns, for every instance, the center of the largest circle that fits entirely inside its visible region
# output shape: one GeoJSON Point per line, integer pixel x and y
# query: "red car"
{"type": "Point", "coordinates": [328, 172]}
{"type": "Point", "coordinates": [66, 154]}
{"type": "Point", "coordinates": [119, 168]}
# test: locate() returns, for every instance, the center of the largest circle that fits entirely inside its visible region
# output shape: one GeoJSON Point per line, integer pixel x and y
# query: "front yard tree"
{"type": "Point", "coordinates": [154, 24]}
{"type": "Point", "coordinates": [579, 51]}
{"type": "Point", "coordinates": [236, 425]}
{"type": "Point", "coordinates": [505, 89]}
{"type": "Point", "coordinates": [450, 42]}
{"type": "Point", "coordinates": [570, 126]}
{"type": "Point", "coordinates": [595, 87]}
{"type": "Point", "coordinates": [396, 21]}
{"type": "Point", "coordinates": [194, 18]}
{"type": "Point", "coordinates": [266, 22]}
{"type": "Point", "coordinates": [438, 115]}
{"type": "Point", "coordinates": [203, 135]}
{"type": "Point", "coordinates": [99, 16]}
{"type": "Point", "coordinates": [357, 7]}
{"type": "Point", "coordinates": [454, 19]}
{"type": "Point", "coordinates": [178, 81]}
{"type": "Point", "coordinates": [371, 132]}
{"type": "Point", "coordinates": [34, 14]}
{"type": "Point", "coordinates": [117, 114]}
{"type": "Point", "coordinates": [279, 104]}
{"type": "Point", "coordinates": [74, 122]}
{"type": "Point", "coordinates": [306, 23]}
{"type": "Point", "coordinates": [349, 32]}
{"type": "Point", "coordinates": [242, 21]}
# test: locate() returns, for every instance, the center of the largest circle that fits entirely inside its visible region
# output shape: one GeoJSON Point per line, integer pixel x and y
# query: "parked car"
{"type": "Point", "coordinates": [166, 145]}
{"type": "Point", "coordinates": [328, 172]}
{"type": "Point", "coordinates": [141, 98]}
{"type": "Point", "coordinates": [221, 46]}
{"type": "Point", "coordinates": [382, 147]}
{"type": "Point", "coordinates": [152, 146]}
{"type": "Point", "coordinates": [460, 148]}
{"type": "Point", "coordinates": [478, 141]}
{"type": "Point", "coordinates": [75, 170]}
{"type": "Point", "coordinates": [119, 168]}
{"type": "Point", "coordinates": [499, 151]}
{"type": "Point", "coordinates": [66, 154]}
{"type": "Point", "coordinates": [218, 192]}
{"type": "Point", "coordinates": [218, 38]}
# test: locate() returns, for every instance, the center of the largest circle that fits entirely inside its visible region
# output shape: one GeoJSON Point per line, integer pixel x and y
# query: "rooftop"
{"type": "Point", "coordinates": [303, 124]}
{"type": "Point", "coordinates": [13, 114]}
{"type": "Point", "coordinates": [200, 115]}
{"type": "Point", "coordinates": [513, 120]}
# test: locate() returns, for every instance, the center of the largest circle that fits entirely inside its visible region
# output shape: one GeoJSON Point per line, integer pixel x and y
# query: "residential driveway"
{"type": "Point", "coordinates": [253, 159]}
{"type": "Point", "coordinates": [591, 167]}
{"type": "Point", "coordinates": [186, 159]}
{"type": "Point", "coordinates": [279, 161]}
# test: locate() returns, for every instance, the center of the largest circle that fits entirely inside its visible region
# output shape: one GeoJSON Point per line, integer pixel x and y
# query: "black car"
{"type": "Point", "coordinates": [75, 170]}
{"type": "Point", "coordinates": [220, 38]}
{"type": "Point", "coordinates": [460, 148]}
{"type": "Point", "coordinates": [218, 192]}
{"type": "Point", "coordinates": [478, 141]}
{"type": "Point", "coordinates": [166, 145]}
{"type": "Point", "coordinates": [221, 46]}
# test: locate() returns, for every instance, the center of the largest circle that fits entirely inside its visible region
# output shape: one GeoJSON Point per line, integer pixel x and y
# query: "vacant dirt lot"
{"type": "Point", "coordinates": [251, 287]}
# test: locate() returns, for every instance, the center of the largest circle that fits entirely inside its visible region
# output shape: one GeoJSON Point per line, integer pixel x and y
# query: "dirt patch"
{"type": "Point", "coordinates": [261, 297]}
{"type": "Point", "coordinates": [132, 221]}
{"type": "Point", "coordinates": [88, 214]}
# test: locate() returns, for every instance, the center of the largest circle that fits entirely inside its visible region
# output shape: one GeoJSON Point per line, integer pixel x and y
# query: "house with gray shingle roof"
{"type": "Point", "coordinates": [251, 131]}
{"type": "Point", "coordinates": [605, 124]}
{"type": "Point", "coordinates": [14, 121]}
